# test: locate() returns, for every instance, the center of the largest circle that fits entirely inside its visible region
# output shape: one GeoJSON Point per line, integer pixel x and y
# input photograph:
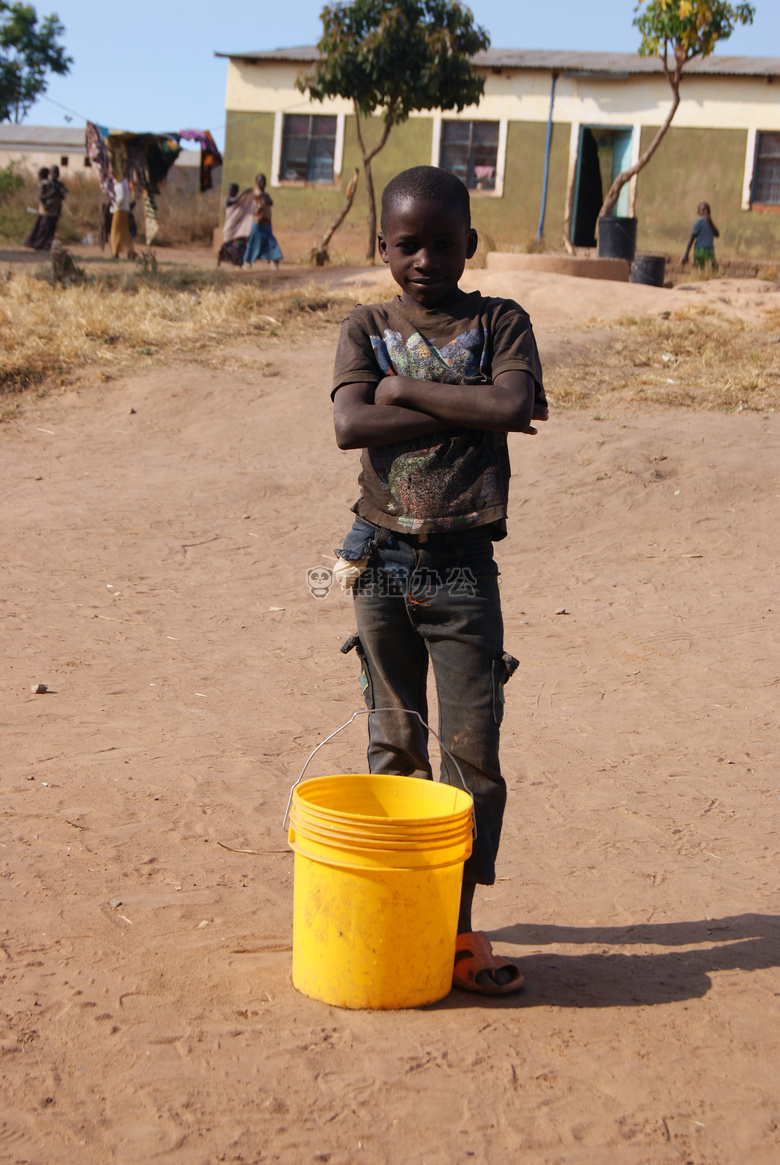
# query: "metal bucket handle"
{"type": "Point", "coordinates": [368, 712]}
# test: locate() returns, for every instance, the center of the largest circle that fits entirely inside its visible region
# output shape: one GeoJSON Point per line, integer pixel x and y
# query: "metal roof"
{"type": "Point", "coordinates": [42, 136]}
{"type": "Point", "coordinates": [561, 61]}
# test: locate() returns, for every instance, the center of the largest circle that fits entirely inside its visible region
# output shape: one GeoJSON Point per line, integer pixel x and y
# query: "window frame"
{"type": "Point", "coordinates": [436, 149]}
{"type": "Point", "coordinates": [752, 177]}
{"type": "Point", "coordinates": [278, 149]}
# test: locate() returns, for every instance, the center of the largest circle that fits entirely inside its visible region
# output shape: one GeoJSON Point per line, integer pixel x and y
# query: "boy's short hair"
{"type": "Point", "coordinates": [430, 183]}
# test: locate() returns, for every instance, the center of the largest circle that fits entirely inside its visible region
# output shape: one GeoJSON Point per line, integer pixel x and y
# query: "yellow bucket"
{"type": "Point", "coordinates": [378, 872]}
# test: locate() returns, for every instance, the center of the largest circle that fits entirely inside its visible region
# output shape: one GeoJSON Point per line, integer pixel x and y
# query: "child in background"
{"type": "Point", "coordinates": [428, 386]}
{"type": "Point", "coordinates": [261, 243]}
{"type": "Point", "coordinates": [703, 236]}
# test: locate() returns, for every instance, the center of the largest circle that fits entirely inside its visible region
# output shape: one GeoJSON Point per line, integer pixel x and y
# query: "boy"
{"type": "Point", "coordinates": [428, 387]}
{"type": "Point", "coordinates": [703, 236]}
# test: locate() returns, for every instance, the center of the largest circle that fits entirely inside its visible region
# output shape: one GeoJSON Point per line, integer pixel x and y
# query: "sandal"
{"type": "Point", "coordinates": [476, 955]}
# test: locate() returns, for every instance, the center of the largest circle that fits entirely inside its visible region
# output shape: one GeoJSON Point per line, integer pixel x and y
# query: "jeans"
{"type": "Point", "coordinates": [435, 597]}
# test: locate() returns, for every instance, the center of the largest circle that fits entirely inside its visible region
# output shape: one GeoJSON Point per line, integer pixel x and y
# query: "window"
{"type": "Point", "coordinates": [766, 178]}
{"type": "Point", "coordinates": [470, 150]}
{"type": "Point", "coordinates": [64, 160]}
{"type": "Point", "coordinates": [308, 148]}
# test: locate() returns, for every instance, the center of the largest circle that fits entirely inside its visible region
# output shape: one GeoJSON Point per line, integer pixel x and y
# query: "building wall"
{"type": "Point", "coordinates": [248, 143]}
{"type": "Point", "coordinates": [693, 166]}
{"type": "Point", "coordinates": [524, 95]}
{"type": "Point", "coordinates": [508, 220]}
{"type": "Point", "coordinates": [33, 160]}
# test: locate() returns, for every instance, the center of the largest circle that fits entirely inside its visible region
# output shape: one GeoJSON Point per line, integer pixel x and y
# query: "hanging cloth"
{"type": "Point", "coordinates": [97, 155]}
{"type": "Point", "coordinates": [210, 156]}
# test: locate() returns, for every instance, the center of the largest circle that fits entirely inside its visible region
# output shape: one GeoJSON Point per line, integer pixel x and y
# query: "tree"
{"type": "Point", "coordinates": [398, 56]}
{"type": "Point", "coordinates": [677, 31]}
{"type": "Point", "coordinates": [29, 50]}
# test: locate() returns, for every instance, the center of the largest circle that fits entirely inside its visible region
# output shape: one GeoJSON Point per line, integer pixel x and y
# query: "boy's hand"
{"type": "Point", "coordinates": [540, 414]}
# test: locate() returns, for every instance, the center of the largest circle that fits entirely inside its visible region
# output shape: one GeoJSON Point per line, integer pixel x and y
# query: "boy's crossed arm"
{"type": "Point", "coordinates": [400, 408]}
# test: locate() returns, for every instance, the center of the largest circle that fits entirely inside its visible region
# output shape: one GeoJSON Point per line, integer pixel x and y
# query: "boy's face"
{"type": "Point", "coordinates": [426, 243]}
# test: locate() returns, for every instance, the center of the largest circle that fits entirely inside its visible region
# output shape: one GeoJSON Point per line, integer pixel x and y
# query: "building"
{"type": "Point", "coordinates": [602, 110]}
{"type": "Point", "coordinates": [31, 146]}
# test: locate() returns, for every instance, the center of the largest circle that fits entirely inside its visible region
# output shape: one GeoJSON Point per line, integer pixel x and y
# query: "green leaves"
{"type": "Point", "coordinates": [29, 50]}
{"type": "Point", "coordinates": [690, 28]}
{"type": "Point", "coordinates": [403, 56]}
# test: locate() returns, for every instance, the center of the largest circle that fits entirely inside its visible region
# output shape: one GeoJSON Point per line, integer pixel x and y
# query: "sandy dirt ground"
{"type": "Point", "coordinates": [155, 537]}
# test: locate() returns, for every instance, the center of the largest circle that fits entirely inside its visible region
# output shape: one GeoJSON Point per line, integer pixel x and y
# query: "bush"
{"type": "Point", "coordinates": [10, 178]}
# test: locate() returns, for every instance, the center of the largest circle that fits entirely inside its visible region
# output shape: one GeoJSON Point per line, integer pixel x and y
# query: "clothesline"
{"type": "Point", "coordinates": [144, 159]}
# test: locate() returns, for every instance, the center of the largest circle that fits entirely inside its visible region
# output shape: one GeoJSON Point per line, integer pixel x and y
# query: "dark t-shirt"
{"type": "Point", "coordinates": [456, 478]}
{"type": "Point", "coordinates": [702, 232]}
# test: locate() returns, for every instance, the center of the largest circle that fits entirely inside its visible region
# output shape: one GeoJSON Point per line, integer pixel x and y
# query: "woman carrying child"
{"type": "Point", "coordinates": [237, 226]}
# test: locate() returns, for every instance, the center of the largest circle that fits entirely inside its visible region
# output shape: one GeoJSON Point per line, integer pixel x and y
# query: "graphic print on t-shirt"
{"type": "Point", "coordinates": [458, 362]}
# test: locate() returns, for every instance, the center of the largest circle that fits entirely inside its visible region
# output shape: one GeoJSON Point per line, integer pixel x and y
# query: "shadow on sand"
{"type": "Point", "coordinates": [609, 978]}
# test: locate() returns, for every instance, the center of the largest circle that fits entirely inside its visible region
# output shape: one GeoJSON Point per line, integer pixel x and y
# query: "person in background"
{"type": "Point", "coordinates": [104, 227]}
{"type": "Point", "coordinates": [703, 236]}
{"type": "Point", "coordinates": [238, 225]}
{"type": "Point", "coordinates": [261, 243]}
{"type": "Point", "coordinates": [51, 194]}
{"type": "Point", "coordinates": [121, 239]}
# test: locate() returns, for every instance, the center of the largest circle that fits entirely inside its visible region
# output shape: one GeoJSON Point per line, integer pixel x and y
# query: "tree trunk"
{"type": "Point", "coordinates": [321, 250]}
{"type": "Point", "coordinates": [626, 175]}
{"type": "Point", "coordinates": [371, 240]}
{"type": "Point", "coordinates": [367, 157]}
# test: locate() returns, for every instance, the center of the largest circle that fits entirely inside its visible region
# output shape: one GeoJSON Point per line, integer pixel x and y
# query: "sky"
{"type": "Point", "coordinates": [151, 66]}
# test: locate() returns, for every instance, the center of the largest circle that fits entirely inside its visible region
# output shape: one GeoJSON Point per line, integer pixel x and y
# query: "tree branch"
{"type": "Point", "coordinates": [321, 251]}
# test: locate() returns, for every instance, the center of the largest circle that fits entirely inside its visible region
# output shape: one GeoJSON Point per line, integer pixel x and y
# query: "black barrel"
{"type": "Point", "coordinates": [617, 237]}
{"type": "Point", "coordinates": [649, 269]}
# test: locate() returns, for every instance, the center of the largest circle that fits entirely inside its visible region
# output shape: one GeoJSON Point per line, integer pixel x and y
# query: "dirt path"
{"type": "Point", "coordinates": [154, 579]}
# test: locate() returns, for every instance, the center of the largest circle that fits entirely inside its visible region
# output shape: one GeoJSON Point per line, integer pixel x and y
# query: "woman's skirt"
{"type": "Point", "coordinates": [120, 233]}
{"type": "Point", "coordinates": [233, 252]}
{"type": "Point", "coordinates": [262, 244]}
{"type": "Point", "coordinates": [41, 236]}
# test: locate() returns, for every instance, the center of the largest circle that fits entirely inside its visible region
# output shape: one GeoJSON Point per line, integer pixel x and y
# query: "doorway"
{"type": "Point", "coordinates": [604, 151]}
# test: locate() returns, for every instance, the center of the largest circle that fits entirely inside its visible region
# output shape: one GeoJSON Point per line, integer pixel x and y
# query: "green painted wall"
{"type": "Point", "coordinates": [249, 139]}
{"type": "Point", "coordinates": [511, 221]}
{"type": "Point", "coordinates": [693, 166]}
{"type": "Point", "coordinates": [508, 221]}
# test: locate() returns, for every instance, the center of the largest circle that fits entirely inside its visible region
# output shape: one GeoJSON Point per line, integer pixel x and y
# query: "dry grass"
{"type": "Point", "coordinates": [118, 323]}
{"type": "Point", "coordinates": [124, 322]}
{"type": "Point", "coordinates": [185, 217]}
{"type": "Point", "coordinates": [693, 359]}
